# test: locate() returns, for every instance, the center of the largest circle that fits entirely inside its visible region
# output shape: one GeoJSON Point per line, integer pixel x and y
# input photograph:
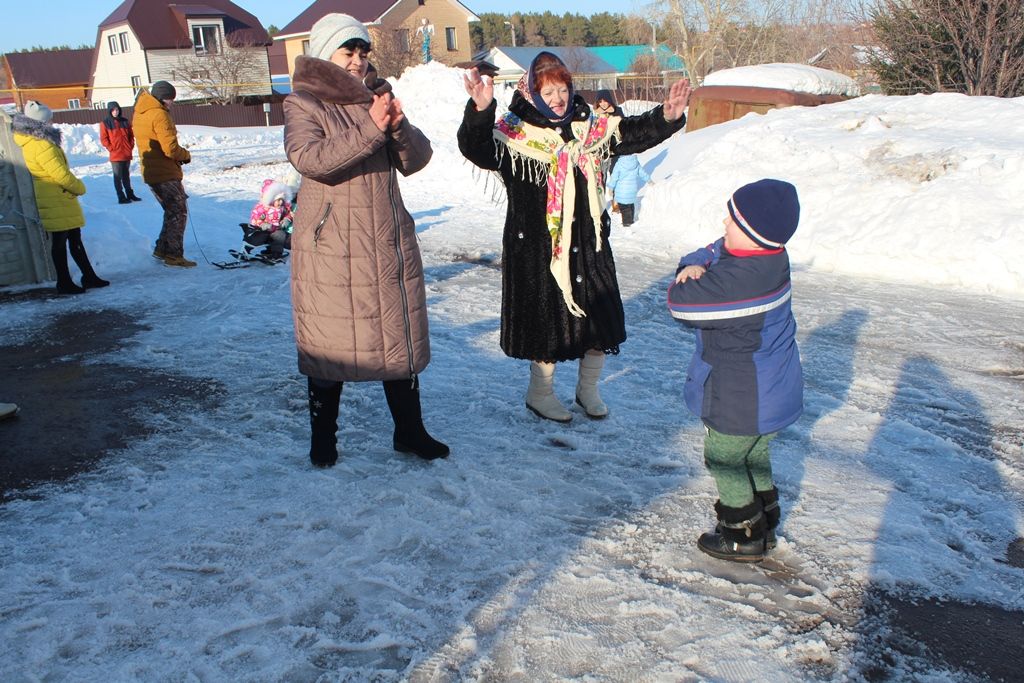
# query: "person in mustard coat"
{"type": "Point", "coordinates": [161, 159]}
{"type": "Point", "coordinates": [57, 190]}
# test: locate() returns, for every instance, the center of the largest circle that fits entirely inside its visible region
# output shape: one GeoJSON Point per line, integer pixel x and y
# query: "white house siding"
{"type": "Point", "coordinates": [112, 80]}
{"type": "Point", "coordinates": [164, 63]}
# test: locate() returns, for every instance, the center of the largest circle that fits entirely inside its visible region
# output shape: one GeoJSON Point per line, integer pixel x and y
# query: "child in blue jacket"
{"type": "Point", "coordinates": [745, 380]}
{"type": "Point", "coordinates": [625, 180]}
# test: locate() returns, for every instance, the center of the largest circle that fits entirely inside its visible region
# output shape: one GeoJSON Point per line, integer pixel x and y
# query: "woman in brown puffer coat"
{"type": "Point", "coordinates": [358, 296]}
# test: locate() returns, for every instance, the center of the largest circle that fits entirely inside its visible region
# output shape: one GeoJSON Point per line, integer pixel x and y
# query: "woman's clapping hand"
{"type": "Point", "coordinates": [480, 88]}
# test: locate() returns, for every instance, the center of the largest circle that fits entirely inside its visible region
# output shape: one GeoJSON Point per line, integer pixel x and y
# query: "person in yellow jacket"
{"type": "Point", "coordinates": [57, 190]}
{"type": "Point", "coordinates": [161, 159]}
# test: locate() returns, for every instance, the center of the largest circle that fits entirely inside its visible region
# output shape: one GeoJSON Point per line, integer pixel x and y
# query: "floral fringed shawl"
{"type": "Point", "coordinates": [540, 155]}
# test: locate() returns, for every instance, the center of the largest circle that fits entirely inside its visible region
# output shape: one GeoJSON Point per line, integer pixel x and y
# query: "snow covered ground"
{"type": "Point", "coordinates": [210, 550]}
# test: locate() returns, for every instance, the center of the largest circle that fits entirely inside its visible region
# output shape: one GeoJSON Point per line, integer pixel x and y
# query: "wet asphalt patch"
{"type": "Point", "coordinates": [74, 410]}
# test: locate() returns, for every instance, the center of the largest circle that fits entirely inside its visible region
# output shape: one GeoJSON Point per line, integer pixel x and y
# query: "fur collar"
{"type": "Point", "coordinates": [328, 82]}
{"type": "Point", "coordinates": [35, 129]}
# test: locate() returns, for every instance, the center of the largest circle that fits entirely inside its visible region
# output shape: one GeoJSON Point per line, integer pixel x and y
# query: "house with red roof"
{"type": "Point", "coordinates": [394, 25]}
{"type": "Point", "coordinates": [57, 78]}
{"type": "Point", "coordinates": [212, 49]}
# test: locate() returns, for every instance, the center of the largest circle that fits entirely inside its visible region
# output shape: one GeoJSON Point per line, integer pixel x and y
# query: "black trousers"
{"type": "Point", "coordinates": [627, 213]}
{"type": "Point", "coordinates": [122, 179]}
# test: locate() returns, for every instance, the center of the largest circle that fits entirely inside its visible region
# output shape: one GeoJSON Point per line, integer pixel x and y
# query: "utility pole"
{"type": "Point", "coordinates": [511, 28]}
{"type": "Point", "coordinates": [654, 37]}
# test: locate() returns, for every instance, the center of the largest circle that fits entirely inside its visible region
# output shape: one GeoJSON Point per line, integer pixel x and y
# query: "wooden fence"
{"type": "Point", "coordinates": [218, 115]}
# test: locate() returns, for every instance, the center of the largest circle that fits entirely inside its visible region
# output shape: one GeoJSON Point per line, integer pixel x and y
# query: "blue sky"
{"type": "Point", "coordinates": [34, 22]}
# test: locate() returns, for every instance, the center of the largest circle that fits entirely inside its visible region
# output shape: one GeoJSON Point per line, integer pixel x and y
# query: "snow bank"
{"type": "Point", "coordinates": [796, 77]}
{"type": "Point", "coordinates": [921, 189]}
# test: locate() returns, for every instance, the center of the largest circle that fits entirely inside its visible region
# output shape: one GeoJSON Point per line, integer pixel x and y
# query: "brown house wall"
{"type": "Point", "coordinates": [54, 97]}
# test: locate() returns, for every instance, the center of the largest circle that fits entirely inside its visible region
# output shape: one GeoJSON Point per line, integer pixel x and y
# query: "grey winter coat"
{"type": "Point", "coordinates": [358, 296]}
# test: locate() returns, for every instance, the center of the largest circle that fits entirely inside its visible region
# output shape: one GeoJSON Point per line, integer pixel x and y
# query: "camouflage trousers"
{"type": "Point", "coordinates": [172, 198]}
{"type": "Point", "coordinates": [741, 465]}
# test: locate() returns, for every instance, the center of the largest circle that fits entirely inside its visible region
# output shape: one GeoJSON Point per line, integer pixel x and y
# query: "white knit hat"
{"type": "Point", "coordinates": [333, 31]}
{"type": "Point", "coordinates": [38, 111]}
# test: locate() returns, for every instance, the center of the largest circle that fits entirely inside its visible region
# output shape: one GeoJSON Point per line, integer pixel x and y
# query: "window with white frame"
{"type": "Point", "coordinates": [112, 44]}
{"type": "Point", "coordinates": [74, 104]}
{"type": "Point", "coordinates": [123, 39]}
{"type": "Point", "coordinates": [136, 85]}
{"type": "Point", "coordinates": [449, 36]}
{"type": "Point", "coordinates": [99, 105]}
{"type": "Point", "coordinates": [206, 39]}
{"type": "Point", "coordinates": [305, 47]}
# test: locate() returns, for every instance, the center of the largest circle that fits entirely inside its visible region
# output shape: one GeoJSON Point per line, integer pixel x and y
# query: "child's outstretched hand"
{"type": "Point", "coordinates": [690, 272]}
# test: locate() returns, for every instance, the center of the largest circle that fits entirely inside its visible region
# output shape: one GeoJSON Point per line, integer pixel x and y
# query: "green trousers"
{"type": "Point", "coordinates": [740, 465]}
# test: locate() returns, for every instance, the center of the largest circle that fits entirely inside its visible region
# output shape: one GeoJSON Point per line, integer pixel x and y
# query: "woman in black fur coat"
{"type": "Point", "coordinates": [560, 298]}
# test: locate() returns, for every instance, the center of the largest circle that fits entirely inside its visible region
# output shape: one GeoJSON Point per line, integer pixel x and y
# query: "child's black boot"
{"type": "Point", "coordinates": [739, 535]}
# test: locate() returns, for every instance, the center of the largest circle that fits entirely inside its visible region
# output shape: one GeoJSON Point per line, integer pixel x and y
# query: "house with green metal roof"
{"type": "Point", "coordinates": [622, 57]}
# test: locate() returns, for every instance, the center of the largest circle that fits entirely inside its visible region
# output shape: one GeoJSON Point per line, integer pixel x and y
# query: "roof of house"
{"type": "Point", "coordinates": [366, 11]}
{"type": "Point", "coordinates": [49, 68]}
{"type": "Point", "coordinates": [623, 56]}
{"type": "Point", "coordinates": [162, 24]}
{"type": "Point", "coordinates": [579, 60]}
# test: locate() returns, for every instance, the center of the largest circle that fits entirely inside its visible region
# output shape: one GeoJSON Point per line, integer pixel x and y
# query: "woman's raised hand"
{"type": "Point", "coordinates": [480, 88]}
{"type": "Point", "coordinates": [395, 113]}
{"type": "Point", "coordinates": [675, 104]}
{"type": "Point", "coordinates": [380, 112]}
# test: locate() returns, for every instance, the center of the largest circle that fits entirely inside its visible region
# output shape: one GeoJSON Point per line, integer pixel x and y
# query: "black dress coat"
{"type": "Point", "coordinates": [535, 322]}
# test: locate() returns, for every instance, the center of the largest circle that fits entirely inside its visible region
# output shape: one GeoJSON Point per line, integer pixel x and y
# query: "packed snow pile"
{"type": "Point", "coordinates": [796, 77]}
{"type": "Point", "coordinates": [921, 189]}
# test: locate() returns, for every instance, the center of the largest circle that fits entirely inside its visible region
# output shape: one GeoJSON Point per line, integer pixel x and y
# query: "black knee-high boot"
{"type": "Point", "coordinates": [411, 436]}
{"type": "Point", "coordinates": [90, 280]}
{"type": "Point", "coordinates": [324, 397]}
{"type": "Point", "coordinates": [59, 254]}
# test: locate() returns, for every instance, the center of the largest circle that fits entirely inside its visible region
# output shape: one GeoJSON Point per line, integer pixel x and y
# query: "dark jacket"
{"type": "Point", "coordinates": [116, 135]}
{"type": "Point", "coordinates": [535, 322]}
{"type": "Point", "coordinates": [358, 295]}
{"type": "Point", "coordinates": [745, 376]}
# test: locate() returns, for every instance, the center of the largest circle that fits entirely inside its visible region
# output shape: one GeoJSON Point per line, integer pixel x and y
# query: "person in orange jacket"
{"type": "Point", "coordinates": [117, 137]}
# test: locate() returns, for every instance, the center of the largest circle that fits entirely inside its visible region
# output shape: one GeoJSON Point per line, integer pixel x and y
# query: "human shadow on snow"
{"type": "Point", "coordinates": [946, 521]}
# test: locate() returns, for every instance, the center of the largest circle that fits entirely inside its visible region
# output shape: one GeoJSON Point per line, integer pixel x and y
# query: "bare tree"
{"type": "Point", "coordinates": [225, 74]}
{"type": "Point", "coordinates": [395, 50]}
{"type": "Point", "coordinates": [645, 81]}
{"type": "Point", "coordinates": [970, 46]}
{"type": "Point", "coordinates": [715, 34]}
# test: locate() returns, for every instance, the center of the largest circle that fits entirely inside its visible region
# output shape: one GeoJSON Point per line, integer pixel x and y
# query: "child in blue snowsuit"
{"type": "Point", "coordinates": [745, 380]}
{"type": "Point", "coordinates": [625, 180]}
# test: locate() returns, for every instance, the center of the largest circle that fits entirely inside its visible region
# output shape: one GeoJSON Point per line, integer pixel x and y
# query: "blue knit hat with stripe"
{"type": "Point", "coordinates": [768, 211]}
